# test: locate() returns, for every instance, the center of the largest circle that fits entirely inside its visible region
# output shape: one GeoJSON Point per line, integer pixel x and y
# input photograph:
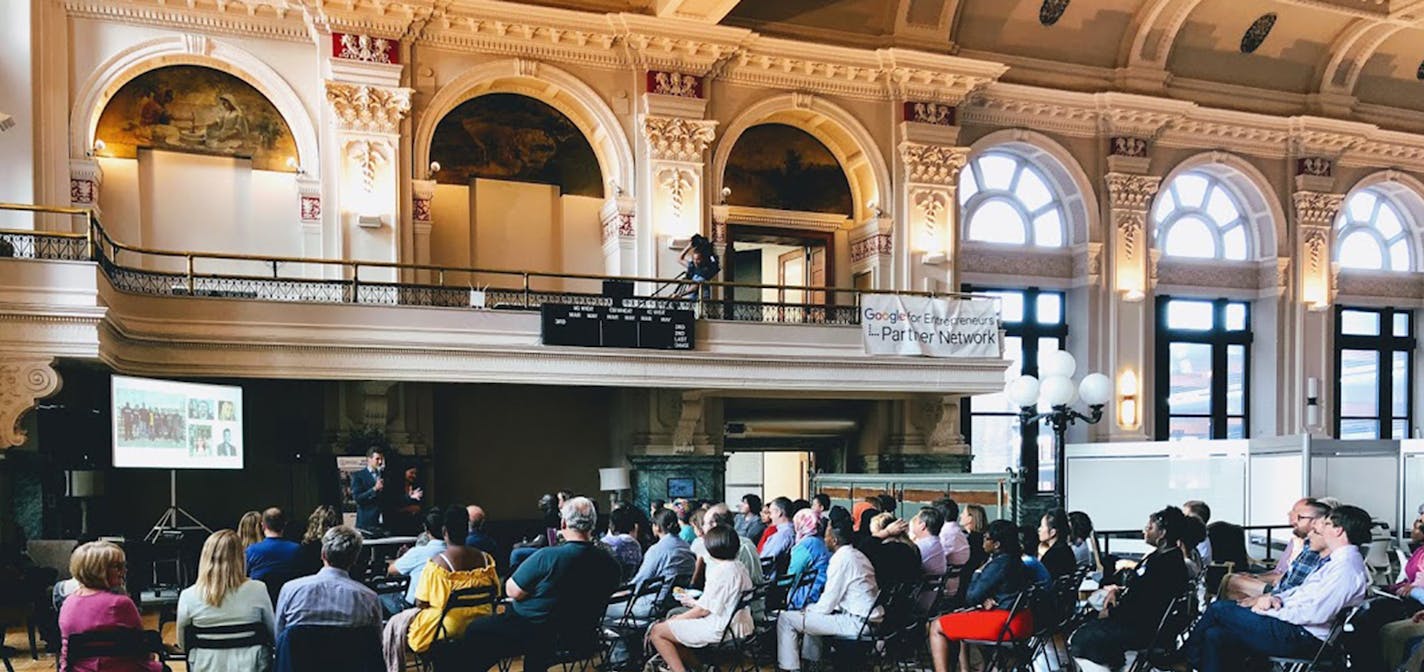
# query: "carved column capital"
{"type": "Point", "coordinates": [368, 109]}
{"type": "Point", "coordinates": [1314, 208]}
{"type": "Point", "coordinates": [23, 382]}
{"type": "Point", "coordinates": [678, 138]}
{"type": "Point", "coordinates": [933, 164]}
{"type": "Point", "coordinates": [1131, 192]}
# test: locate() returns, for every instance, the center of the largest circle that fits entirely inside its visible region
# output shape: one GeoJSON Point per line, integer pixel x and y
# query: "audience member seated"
{"type": "Point", "coordinates": [622, 538]}
{"type": "Point", "coordinates": [708, 617]}
{"type": "Point", "coordinates": [273, 561]}
{"type": "Point", "coordinates": [100, 569]}
{"type": "Point", "coordinates": [686, 511]}
{"type": "Point", "coordinates": [1193, 532]}
{"type": "Point", "coordinates": [414, 561]}
{"type": "Point", "coordinates": [862, 512]}
{"type": "Point", "coordinates": [954, 541]}
{"type": "Point", "coordinates": [1084, 541]}
{"type": "Point", "coordinates": [1053, 550]}
{"type": "Point", "coordinates": [1292, 622]}
{"type": "Point", "coordinates": [1385, 625]}
{"type": "Point", "coordinates": [1228, 543]}
{"type": "Point", "coordinates": [991, 594]}
{"type": "Point", "coordinates": [716, 515]}
{"type": "Point", "coordinates": [330, 597]}
{"type": "Point", "coordinates": [249, 528]}
{"type": "Point", "coordinates": [1195, 508]}
{"type": "Point", "coordinates": [974, 521]}
{"type": "Point", "coordinates": [849, 597]}
{"type": "Point", "coordinates": [557, 594]}
{"type": "Point", "coordinates": [1131, 609]}
{"type": "Point", "coordinates": [768, 530]}
{"type": "Point", "coordinates": [670, 559]}
{"type": "Point", "coordinates": [549, 511]}
{"type": "Point", "coordinates": [749, 523]}
{"type": "Point", "coordinates": [810, 554]}
{"type": "Point", "coordinates": [924, 531]}
{"type": "Point", "coordinates": [322, 518]}
{"type": "Point", "coordinates": [456, 566]}
{"type": "Point", "coordinates": [224, 596]}
{"type": "Point", "coordinates": [784, 537]}
{"type": "Point", "coordinates": [1294, 565]}
{"type": "Point", "coordinates": [477, 538]}
{"type": "Point", "coordinates": [893, 556]}
{"type": "Point", "coordinates": [1028, 541]}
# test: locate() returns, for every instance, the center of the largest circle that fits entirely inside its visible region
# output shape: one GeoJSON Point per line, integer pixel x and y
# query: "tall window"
{"type": "Point", "coordinates": [1033, 324]}
{"type": "Point", "coordinates": [1374, 364]}
{"type": "Point", "coordinates": [1203, 365]}
{"type": "Point", "coordinates": [1197, 216]}
{"type": "Point", "coordinates": [1006, 199]}
{"type": "Point", "coordinates": [1370, 234]}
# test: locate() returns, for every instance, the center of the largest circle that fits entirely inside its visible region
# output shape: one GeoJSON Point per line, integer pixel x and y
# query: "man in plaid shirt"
{"type": "Point", "coordinates": [1297, 563]}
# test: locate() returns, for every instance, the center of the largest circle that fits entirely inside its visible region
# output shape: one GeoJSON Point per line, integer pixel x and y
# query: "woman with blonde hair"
{"type": "Point", "coordinates": [322, 518]}
{"type": "Point", "coordinates": [249, 528]}
{"type": "Point", "coordinates": [223, 595]}
{"type": "Point", "coordinates": [100, 569]}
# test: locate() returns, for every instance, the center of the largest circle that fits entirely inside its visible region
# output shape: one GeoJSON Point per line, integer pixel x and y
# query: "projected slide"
{"type": "Point", "coordinates": [160, 424]}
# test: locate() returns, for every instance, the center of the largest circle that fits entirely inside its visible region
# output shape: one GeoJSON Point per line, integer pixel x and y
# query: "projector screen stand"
{"type": "Point", "coordinates": [173, 518]}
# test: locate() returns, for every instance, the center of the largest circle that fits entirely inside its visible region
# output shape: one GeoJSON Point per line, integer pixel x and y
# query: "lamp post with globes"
{"type": "Point", "coordinates": [1058, 391]}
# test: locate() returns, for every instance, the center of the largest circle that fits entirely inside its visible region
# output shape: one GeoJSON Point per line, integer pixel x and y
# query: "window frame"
{"type": "Point", "coordinates": [1220, 339]}
{"type": "Point", "coordinates": [1385, 345]}
{"type": "Point", "coordinates": [981, 196]}
{"type": "Point", "coordinates": [1163, 226]}
{"type": "Point", "coordinates": [1029, 330]}
{"type": "Point", "coordinates": [1346, 225]}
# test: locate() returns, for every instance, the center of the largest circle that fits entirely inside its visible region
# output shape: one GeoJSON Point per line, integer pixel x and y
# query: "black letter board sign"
{"type": "Point", "coordinates": [616, 327]}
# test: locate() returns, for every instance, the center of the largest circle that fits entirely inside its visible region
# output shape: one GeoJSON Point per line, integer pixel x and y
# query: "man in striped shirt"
{"type": "Point", "coordinates": [331, 596]}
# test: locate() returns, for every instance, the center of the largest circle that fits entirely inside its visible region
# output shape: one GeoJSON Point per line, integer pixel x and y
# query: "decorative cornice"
{"type": "Point", "coordinates": [1131, 192]}
{"type": "Point", "coordinates": [230, 18]}
{"type": "Point", "coordinates": [870, 247]}
{"type": "Point", "coordinates": [922, 112]}
{"type": "Point", "coordinates": [23, 381]}
{"type": "Point", "coordinates": [364, 48]}
{"type": "Point", "coordinates": [677, 84]}
{"type": "Point", "coordinates": [677, 138]}
{"type": "Point", "coordinates": [1313, 208]}
{"type": "Point", "coordinates": [368, 109]}
{"type": "Point", "coordinates": [1215, 274]}
{"type": "Point", "coordinates": [1016, 261]}
{"type": "Point", "coordinates": [933, 164]}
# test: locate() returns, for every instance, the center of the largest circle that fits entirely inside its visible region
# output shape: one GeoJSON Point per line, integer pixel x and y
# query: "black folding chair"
{"type": "Point", "coordinates": [464, 598]}
{"type": "Point", "coordinates": [734, 653]}
{"type": "Point", "coordinates": [1170, 633]}
{"type": "Point", "coordinates": [629, 628]}
{"type": "Point", "coordinates": [1010, 654]}
{"type": "Point", "coordinates": [1329, 656]}
{"type": "Point", "coordinates": [876, 642]}
{"type": "Point", "coordinates": [118, 643]}
{"type": "Point", "coordinates": [1055, 613]}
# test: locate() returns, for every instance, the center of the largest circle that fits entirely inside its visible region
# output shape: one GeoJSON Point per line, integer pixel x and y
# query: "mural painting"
{"type": "Point", "coordinates": [190, 108]}
{"type": "Point", "coordinates": [783, 167]}
{"type": "Point", "coordinates": [505, 136]}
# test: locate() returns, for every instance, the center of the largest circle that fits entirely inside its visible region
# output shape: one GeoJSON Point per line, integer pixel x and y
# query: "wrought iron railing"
{"type": "Point", "coordinates": [139, 270]}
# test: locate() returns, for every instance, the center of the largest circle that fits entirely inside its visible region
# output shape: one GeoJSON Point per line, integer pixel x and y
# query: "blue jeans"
{"type": "Point", "coordinates": [1228, 633]}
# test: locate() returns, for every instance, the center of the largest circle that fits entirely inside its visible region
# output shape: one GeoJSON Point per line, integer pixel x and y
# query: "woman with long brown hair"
{"type": "Point", "coordinates": [223, 595]}
{"type": "Point", "coordinates": [249, 528]}
{"type": "Point", "coordinates": [322, 518]}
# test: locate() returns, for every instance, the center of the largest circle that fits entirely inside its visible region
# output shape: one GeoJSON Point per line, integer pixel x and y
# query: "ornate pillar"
{"type": "Point", "coordinates": [85, 176]}
{"type": "Point", "coordinates": [422, 193]}
{"type": "Point", "coordinates": [1130, 314]}
{"type": "Point", "coordinates": [872, 250]}
{"type": "Point", "coordinates": [674, 136]}
{"type": "Point", "coordinates": [309, 214]}
{"type": "Point", "coordinates": [1315, 210]}
{"type": "Point", "coordinates": [620, 249]}
{"type": "Point", "coordinates": [24, 380]}
{"type": "Point", "coordinates": [924, 437]}
{"type": "Point", "coordinates": [929, 178]}
{"type": "Point", "coordinates": [366, 135]}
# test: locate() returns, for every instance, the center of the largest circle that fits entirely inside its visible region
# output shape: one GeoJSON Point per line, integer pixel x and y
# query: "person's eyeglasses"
{"type": "Point", "coordinates": [1306, 517]}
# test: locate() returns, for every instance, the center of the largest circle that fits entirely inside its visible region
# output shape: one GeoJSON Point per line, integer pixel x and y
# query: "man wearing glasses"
{"type": "Point", "coordinates": [1297, 563]}
{"type": "Point", "coordinates": [1289, 622]}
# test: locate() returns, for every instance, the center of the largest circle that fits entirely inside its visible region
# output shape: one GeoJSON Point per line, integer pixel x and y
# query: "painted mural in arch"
{"type": "Point", "coordinates": [199, 110]}
{"type": "Point", "coordinates": [506, 136]}
{"type": "Point", "coordinates": [783, 167]}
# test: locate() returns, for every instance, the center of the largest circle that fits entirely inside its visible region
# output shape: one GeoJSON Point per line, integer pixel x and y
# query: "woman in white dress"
{"type": "Point", "coordinates": [224, 595]}
{"type": "Point", "coordinates": [707, 617]}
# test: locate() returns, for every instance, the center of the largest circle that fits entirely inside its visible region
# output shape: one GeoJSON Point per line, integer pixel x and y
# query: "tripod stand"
{"type": "Point", "coordinates": [172, 518]}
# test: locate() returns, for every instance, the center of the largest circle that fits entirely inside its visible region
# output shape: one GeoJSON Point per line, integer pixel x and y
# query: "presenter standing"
{"type": "Point", "coordinates": [367, 488]}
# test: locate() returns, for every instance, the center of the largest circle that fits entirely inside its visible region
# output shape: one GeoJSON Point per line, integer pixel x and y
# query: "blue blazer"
{"type": "Point", "coordinates": [368, 500]}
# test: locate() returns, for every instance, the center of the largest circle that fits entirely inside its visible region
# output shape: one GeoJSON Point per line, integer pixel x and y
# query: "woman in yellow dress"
{"type": "Point", "coordinates": [456, 568]}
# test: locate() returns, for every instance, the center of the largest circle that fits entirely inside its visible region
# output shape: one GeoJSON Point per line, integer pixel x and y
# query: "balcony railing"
{"type": "Point", "coordinates": [139, 270]}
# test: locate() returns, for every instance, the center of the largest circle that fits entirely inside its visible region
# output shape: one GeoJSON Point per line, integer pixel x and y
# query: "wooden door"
{"type": "Point", "coordinates": [816, 273]}
{"type": "Point", "coordinates": [791, 270]}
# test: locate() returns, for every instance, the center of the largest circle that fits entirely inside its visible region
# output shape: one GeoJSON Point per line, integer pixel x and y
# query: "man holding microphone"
{"type": "Point", "coordinates": [367, 488]}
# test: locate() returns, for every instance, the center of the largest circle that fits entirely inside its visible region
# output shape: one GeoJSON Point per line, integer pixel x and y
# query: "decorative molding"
{"type": "Point", "coordinates": [364, 48]}
{"type": "Point", "coordinates": [932, 205]}
{"type": "Point", "coordinates": [1130, 225]}
{"type": "Point", "coordinates": [664, 83]}
{"type": "Point", "coordinates": [1215, 274]}
{"type": "Point", "coordinates": [933, 164]}
{"type": "Point", "coordinates": [1088, 262]}
{"type": "Point", "coordinates": [85, 176]}
{"type": "Point", "coordinates": [368, 155]}
{"type": "Point", "coordinates": [1314, 166]}
{"type": "Point", "coordinates": [23, 382]}
{"type": "Point", "coordinates": [869, 247]}
{"type": "Point", "coordinates": [1131, 192]}
{"type": "Point", "coordinates": [1390, 286]}
{"type": "Point", "coordinates": [922, 112]}
{"type": "Point", "coordinates": [678, 139]}
{"type": "Point", "coordinates": [1313, 208]}
{"type": "Point", "coordinates": [677, 182]}
{"type": "Point", "coordinates": [310, 208]}
{"type": "Point", "coordinates": [368, 109]}
{"type": "Point", "coordinates": [1016, 261]}
{"type": "Point", "coordinates": [1128, 146]}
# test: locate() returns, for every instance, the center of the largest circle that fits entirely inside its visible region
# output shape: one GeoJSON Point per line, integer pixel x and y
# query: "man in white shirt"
{"type": "Point", "coordinates": [954, 542]}
{"type": "Point", "coordinates": [1293, 622]}
{"type": "Point", "coordinates": [848, 597]}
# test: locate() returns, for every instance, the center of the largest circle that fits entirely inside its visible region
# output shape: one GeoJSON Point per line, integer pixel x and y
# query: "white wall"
{"type": "Point", "coordinates": [17, 91]}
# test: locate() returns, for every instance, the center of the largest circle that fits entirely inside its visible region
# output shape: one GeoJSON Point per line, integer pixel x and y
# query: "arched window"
{"type": "Point", "coordinates": [1197, 216]}
{"type": "Point", "coordinates": [1006, 199]}
{"type": "Point", "coordinates": [1371, 235]}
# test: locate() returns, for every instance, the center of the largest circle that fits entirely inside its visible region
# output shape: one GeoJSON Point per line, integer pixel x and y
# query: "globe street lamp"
{"type": "Point", "coordinates": [1058, 391]}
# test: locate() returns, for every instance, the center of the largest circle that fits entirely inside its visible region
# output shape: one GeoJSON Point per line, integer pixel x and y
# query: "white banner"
{"type": "Point", "coordinates": [918, 325]}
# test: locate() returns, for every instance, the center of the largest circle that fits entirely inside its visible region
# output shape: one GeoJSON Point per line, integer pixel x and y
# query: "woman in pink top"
{"type": "Point", "coordinates": [99, 567]}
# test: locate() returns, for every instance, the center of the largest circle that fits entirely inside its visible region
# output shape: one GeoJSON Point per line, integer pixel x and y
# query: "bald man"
{"type": "Point", "coordinates": [477, 537]}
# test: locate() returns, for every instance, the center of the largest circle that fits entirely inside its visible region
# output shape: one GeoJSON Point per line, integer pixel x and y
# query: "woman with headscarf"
{"type": "Point", "coordinates": [809, 554]}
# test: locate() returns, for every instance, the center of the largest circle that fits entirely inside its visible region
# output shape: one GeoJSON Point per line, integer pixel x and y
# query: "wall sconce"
{"type": "Point", "coordinates": [1133, 295]}
{"type": "Point", "coordinates": [365, 221]}
{"type": "Point", "coordinates": [434, 168]}
{"type": "Point", "coordinates": [99, 147]}
{"type": "Point", "coordinates": [1312, 402]}
{"type": "Point", "coordinates": [1127, 399]}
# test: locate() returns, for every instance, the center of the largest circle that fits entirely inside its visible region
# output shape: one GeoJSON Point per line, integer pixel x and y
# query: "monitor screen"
{"type": "Point", "coordinates": [162, 424]}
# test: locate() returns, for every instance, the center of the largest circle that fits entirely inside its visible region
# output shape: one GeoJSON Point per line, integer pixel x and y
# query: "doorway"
{"type": "Point", "coordinates": [771, 256]}
{"type": "Point", "coordinates": [769, 474]}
